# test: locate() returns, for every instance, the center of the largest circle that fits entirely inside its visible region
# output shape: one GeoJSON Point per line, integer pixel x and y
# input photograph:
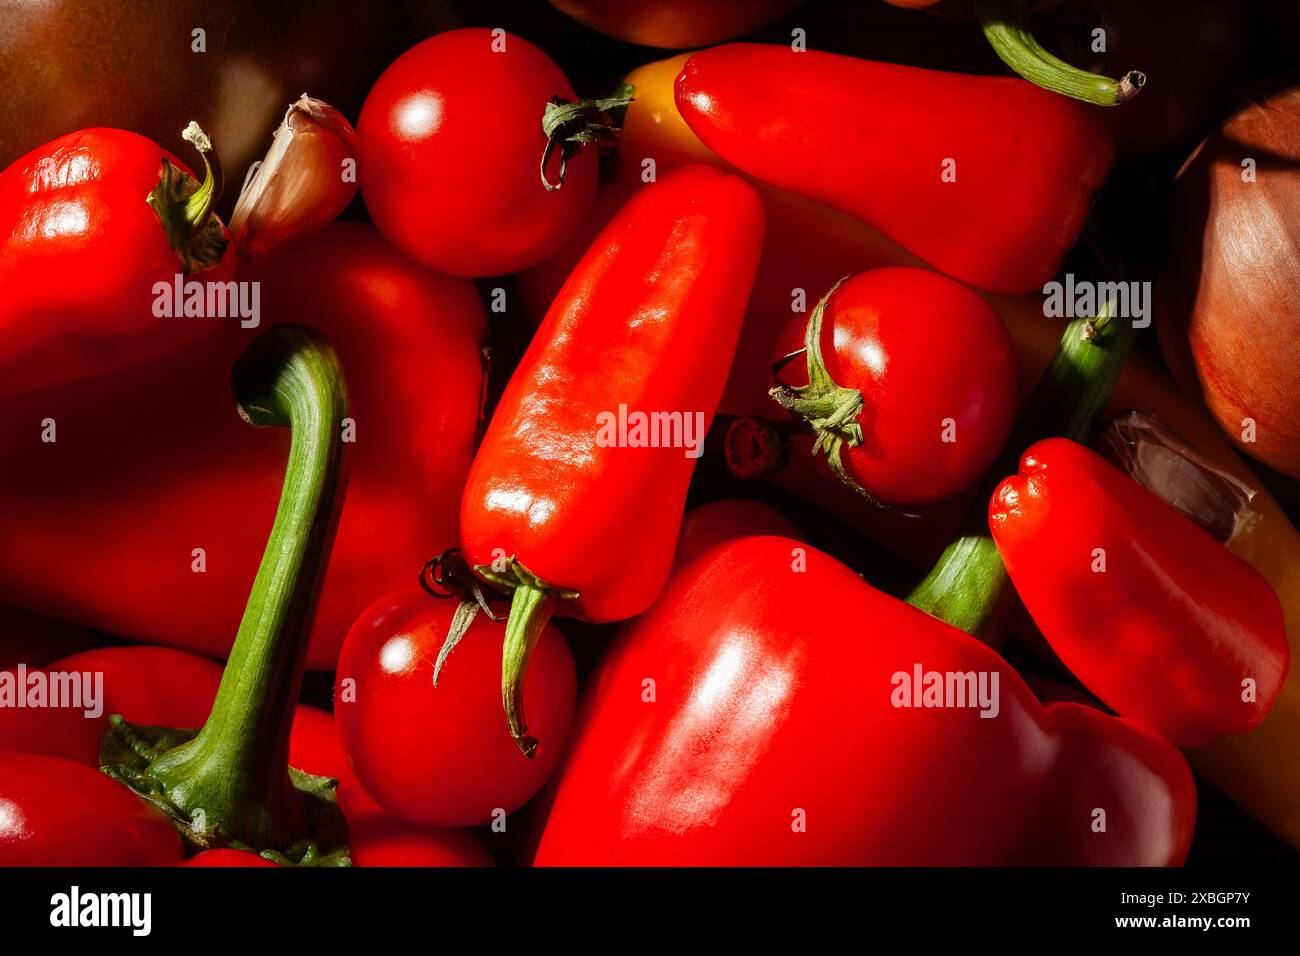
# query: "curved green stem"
{"type": "Point", "coordinates": [968, 586]}
{"type": "Point", "coordinates": [530, 609]}
{"type": "Point", "coordinates": [199, 205]}
{"type": "Point", "coordinates": [235, 771]}
{"type": "Point", "coordinates": [532, 604]}
{"type": "Point", "coordinates": [1006, 25]}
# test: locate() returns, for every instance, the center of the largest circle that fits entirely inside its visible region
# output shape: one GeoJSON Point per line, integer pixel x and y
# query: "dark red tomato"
{"type": "Point", "coordinates": [451, 147]}
{"type": "Point", "coordinates": [442, 755]}
{"type": "Point", "coordinates": [56, 812]}
{"type": "Point", "coordinates": [938, 376]}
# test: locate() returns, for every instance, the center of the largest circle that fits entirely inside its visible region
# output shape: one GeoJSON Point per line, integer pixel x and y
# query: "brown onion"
{"type": "Point", "coordinates": [1227, 313]}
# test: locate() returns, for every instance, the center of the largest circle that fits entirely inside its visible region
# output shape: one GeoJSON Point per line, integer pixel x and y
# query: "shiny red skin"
{"type": "Point", "coordinates": [773, 690]}
{"type": "Point", "coordinates": [441, 755]}
{"type": "Point", "coordinates": [164, 687]}
{"type": "Point", "coordinates": [1027, 161]}
{"type": "Point", "coordinates": [451, 145]}
{"type": "Point", "coordinates": [80, 251]}
{"type": "Point", "coordinates": [921, 349]}
{"type": "Point", "coordinates": [1176, 623]}
{"type": "Point", "coordinates": [648, 318]}
{"type": "Point", "coordinates": [190, 473]}
{"type": "Point", "coordinates": [55, 812]}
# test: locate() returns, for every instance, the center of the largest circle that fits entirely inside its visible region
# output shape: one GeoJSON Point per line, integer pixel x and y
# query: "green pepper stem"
{"type": "Point", "coordinates": [968, 587]}
{"type": "Point", "coordinates": [1006, 26]}
{"type": "Point", "coordinates": [184, 206]}
{"type": "Point", "coordinates": [236, 771]}
{"type": "Point", "coordinates": [530, 609]}
{"type": "Point", "coordinates": [199, 205]}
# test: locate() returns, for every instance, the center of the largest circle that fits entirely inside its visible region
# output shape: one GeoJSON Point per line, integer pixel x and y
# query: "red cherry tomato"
{"type": "Point", "coordinates": [938, 376]}
{"type": "Point", "coordinates": [451, 145]}
{"type": "Point", "coordinates": [442, 756]}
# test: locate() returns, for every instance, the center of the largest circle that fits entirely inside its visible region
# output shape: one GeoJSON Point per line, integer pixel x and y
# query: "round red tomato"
{"type": "Point", "coordinates": [937, 372]}
{"type": "Point", "coordinates": [451, 146]}
{"type": "Point", "coordinates": [443, 756]}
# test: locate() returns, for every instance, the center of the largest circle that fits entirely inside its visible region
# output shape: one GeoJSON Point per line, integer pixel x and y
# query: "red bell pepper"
{"type": "Point", "coordinates": [1152, 614]}
{"type": "Point", "coordinates": [784, 729]}
{"type": "Point", "coordinates": [229, 784]}
{"type": "Point", "coordinates": [569, 499]}
{"type": "Point", "coordinates": [81, 252]}
{"type": "Point", "coordinates": [150, 464]}
{"type": "Point", "coordinates": [986, 178]}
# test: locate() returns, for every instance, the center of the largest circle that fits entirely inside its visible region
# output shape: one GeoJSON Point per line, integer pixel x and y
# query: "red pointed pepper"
{"type": "Point", "coordinates": [986, 178]}
{"type": "Point", "coordinates": [81, 251]}
{"type": "Point", "coordinates": [566, 499]}
{"type": "Point", "coordinates": [1155, 616]}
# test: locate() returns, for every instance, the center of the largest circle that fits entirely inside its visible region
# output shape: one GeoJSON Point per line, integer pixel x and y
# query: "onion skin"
{"type": "Point", "coordinates": [1226, 311]}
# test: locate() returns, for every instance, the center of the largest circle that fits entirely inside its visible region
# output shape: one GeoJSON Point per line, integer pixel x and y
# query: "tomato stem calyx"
{"type": "Point", "coordinates": [570, 125]}
{"type": "Point", "coordinates": [830, 410]}
{"type": "Point", "coordinates": [1006, 26]}
{"type": "Point", "coordinates": [185, 207]}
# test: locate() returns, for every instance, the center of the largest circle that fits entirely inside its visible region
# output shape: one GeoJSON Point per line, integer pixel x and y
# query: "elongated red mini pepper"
{"type": "Point", "coordinates": [577, 491]}
{"type": "Point", "coordinates": [986, 178]}
{"type": "Point", "coordinates": [1153, 615]}
{"type": "Point", "coordinates": [89, 224]}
